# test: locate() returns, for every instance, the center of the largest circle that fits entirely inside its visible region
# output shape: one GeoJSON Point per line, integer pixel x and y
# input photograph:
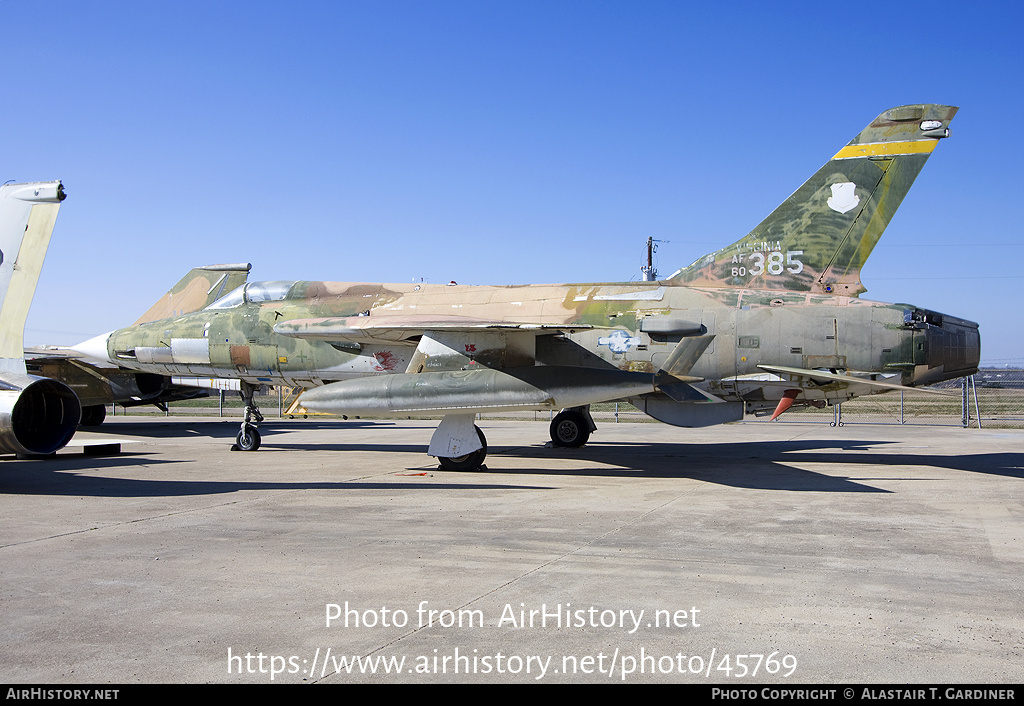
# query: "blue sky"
{"type": "Point", "coordinates": [494, 142]}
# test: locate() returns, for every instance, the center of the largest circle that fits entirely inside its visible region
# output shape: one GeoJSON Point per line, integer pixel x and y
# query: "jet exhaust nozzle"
{"type": "Point", "coordinates": [37, 415]}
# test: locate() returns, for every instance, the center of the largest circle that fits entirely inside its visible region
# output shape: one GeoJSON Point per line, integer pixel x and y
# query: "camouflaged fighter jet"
{"type": "Point", "coordinates": [770, 322]}
{"type": "Point", "coordinates": [98, 383]}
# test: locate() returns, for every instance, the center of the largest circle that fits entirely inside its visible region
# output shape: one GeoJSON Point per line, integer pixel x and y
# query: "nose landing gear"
{"type": "Point", "coordinates": [248, 438]}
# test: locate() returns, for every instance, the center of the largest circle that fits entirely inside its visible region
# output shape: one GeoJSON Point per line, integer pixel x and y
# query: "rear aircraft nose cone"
{"type": "Point", "coordinates": [95, 348]}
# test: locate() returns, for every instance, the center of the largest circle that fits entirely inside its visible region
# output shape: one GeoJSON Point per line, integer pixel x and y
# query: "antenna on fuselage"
{"type": "Point", "coordinates": [649, 274]}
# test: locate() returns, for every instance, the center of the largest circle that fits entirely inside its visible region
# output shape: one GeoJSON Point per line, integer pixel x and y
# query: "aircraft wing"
{"type": "Point", "coordinates": [405, 329]}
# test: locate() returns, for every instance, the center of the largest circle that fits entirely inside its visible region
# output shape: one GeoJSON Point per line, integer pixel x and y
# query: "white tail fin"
{"type": "Point", "coordinates": [27, 215]}
{"type": "Point", "coordinates": [37, 415]}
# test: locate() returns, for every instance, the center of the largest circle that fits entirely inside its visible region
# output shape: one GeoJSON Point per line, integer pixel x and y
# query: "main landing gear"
{"type": "Point", "coordinates": [248, 438]}
{"type": "Point", "coordinates": [466, 462]}
{"type": "Point", "coordinates": [458, 444]}
{"type": "Point", "coordinates": [571, 427]}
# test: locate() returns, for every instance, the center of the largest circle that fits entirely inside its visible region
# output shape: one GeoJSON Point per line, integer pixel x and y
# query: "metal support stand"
{"type": "Point", "coordinates": [837, 415]}
{"type": "Point", "coordinates": [965, 411]}
{"type": "Point", "coordinates": [977, 412]}
{"type": "Point", "coordinates": [967, 389]}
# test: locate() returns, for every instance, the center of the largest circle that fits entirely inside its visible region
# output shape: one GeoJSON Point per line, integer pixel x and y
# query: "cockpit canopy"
{"type": "Point", "coordinates": [254, 293]}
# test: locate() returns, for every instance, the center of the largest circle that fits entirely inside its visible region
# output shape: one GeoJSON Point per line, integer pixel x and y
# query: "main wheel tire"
{"type": "Point", "coordinates": [467, 462]}
{"type": "Point", "coordinates": [248, 438]}
{"type": "Point", "coordinates": [570, 429]}
{"type": "Point", "coordinates": [93, 415]}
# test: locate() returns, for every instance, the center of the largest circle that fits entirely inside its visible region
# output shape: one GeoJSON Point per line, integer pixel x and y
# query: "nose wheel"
{"type": "Point", "coordinates": [248, 438]}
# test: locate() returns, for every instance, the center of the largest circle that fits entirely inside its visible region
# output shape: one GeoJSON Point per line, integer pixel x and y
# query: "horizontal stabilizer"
{"type": "Point", "coordinates": [825, 377]}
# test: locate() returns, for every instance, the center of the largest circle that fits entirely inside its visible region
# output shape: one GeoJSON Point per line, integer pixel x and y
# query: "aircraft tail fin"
{"type": "Point", "coordinates": [818, 239]}
{"type": "Point", "coordinates": [37, 415]}
{"type": "Point", "coordinates": [199, 288]}
{"type": "Point", "coordinates": [27, 215]}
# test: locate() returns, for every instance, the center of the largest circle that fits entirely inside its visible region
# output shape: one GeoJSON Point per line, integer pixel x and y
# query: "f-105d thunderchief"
{"type": "Point", "coordinates": [770, 322]}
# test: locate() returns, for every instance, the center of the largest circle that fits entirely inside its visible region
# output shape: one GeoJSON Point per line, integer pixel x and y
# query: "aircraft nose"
{"type": "Point", "coordinates": [95, 348]}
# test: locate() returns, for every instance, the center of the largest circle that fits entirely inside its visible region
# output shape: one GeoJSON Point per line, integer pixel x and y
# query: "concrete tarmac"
{"type": "Point", "coordinates": [748, 553]}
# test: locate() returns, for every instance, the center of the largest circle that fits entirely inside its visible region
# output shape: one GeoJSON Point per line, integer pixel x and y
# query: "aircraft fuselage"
{"type": "Point", "coordinates": [627, 326]}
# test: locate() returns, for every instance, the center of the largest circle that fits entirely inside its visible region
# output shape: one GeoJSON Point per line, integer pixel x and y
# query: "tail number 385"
{"type": "Point", "coordinates": [772, 263]}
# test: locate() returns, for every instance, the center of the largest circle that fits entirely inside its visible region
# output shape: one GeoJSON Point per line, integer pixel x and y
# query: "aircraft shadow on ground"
{"type": "Point", "coordinates": [755, 464]}
{"type": "Point", "coordinates": [60, 476]}
{"type": "Point", "coordinates": [772, 465]}
{"type": "Point", "coordinates": [226, 428]}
